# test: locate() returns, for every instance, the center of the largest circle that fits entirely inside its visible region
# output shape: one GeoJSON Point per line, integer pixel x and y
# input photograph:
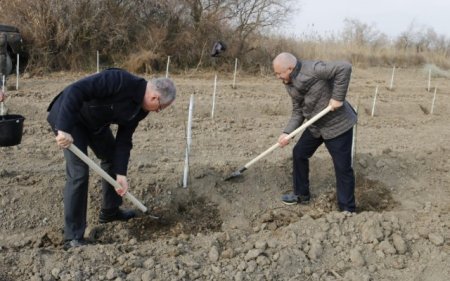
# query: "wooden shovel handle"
{"type": "Point", "coordinates": [106, 176]}
{"type": "Point", "coordinates": [291, 135]}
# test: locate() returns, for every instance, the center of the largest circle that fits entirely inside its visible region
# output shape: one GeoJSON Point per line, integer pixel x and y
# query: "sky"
{"type": "Point", "coordinates": [391, 17]}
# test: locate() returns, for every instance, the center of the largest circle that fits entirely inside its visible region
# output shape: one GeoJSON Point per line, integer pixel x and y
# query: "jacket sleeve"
{"type": "Point", "coordinates": [296, 117]}
{"type": "Point", "coordinates": [101, 85]}
{"type": "Point", "coordinates": [338, 73]}
{"type": "Point", "coordinates": [124, 144]}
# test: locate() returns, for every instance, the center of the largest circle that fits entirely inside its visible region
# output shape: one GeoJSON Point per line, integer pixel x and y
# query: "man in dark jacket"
{"type": "Point", "coordinates": [312, 86]}
{"type": "Point", "coordinates": [82, 115]}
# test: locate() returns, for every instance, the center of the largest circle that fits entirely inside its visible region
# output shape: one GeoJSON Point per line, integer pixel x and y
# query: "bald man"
{"type": "Point", "coordinates": [312, 86]}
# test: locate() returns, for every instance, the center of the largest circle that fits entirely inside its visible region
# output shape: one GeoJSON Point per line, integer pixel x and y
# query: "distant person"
{"type": "Point", "coordinates": [218, 48]}
{"type": "Point", "coordinates": [312, 86]}
{"type": "Point", "coordinates": [82, 114]}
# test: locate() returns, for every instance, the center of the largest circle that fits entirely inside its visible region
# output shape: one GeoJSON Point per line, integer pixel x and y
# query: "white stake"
{"type": "Point", "coordinates": [186, 168]}
{"type": "Point", "coordinates": [189, 127]}
{"type": "Point", "coordinates": [167, 67]}
{"type": "Point", "coordinates": [374, 101]}
{"type": "Point", "coordinates": [434, 99]}
{"type": "Point", "coordinates": [17, 73]}
{"type": "Point", "coordinates": [2, 107]}
{"type": "Point", "coordinates": [188, 142]}
{"type": "Point", "coordinates": [214, 97]}
{"type": "Point", "coordinates": [354, 138]}
{"type": "Point", "coordinates": [98, 62]}
{"type": "Point", "coordinates": [234, 76]}
{"type": "Point", "coordinates": [392, 78]}
{"type": "Point", "coordinates": [429, 79]}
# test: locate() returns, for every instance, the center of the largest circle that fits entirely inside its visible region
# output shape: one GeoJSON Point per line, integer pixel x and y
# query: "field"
{"type": "Point", "coordinates": [239, 230]}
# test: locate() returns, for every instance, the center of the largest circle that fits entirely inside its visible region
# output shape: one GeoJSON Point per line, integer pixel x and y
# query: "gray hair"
{"type": "Point", "coordinates": [166, 88]}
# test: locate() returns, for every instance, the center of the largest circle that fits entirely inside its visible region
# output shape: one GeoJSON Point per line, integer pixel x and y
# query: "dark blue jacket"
{"type": "Point", "coordinates": [112, 96]}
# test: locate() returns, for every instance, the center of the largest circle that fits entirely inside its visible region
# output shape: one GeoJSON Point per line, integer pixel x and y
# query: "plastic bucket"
{"type": "Point", "coordinates": [11, 129]}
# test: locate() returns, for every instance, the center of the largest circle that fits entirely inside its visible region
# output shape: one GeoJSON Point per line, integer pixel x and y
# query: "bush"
{"type": "Point", "coordinates": [140, 34]}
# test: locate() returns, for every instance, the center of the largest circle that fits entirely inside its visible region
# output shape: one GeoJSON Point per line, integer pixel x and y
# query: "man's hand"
{"type": "Point", "coordinates": [335, 104]}
{"type": "Point", "coordinates": [283, 140]}
{"type": "Point", "coordinates": [122, 180]}
{"type": "Point", "coordinates": [2, 96]}
{"type": "Point", "coordinates": [63, 139]}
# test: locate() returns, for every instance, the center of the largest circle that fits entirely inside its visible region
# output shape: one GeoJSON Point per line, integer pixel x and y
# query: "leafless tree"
{"type": "Point", "coordinates": [362, 34]}
{"type": "Point", "coordinates": [249, 17]}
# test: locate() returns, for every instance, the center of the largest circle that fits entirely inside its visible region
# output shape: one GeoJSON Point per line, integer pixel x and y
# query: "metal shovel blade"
{"type": "Point", "coordinates": [153, 217]}
{"type": "Point", "coordinates": [276, 145]}
{"type": "Point", "coordinates": [236, 174]}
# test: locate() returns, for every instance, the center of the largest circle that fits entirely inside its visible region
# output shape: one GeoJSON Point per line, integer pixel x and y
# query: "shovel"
{"type": "Point", "coordinates": [239, 172]}
{"type": "Point", "coordinates": [108, 178]}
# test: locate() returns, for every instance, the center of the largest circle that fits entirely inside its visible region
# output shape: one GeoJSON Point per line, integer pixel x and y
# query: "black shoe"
{"type": "Point", "coordinates": [74, 243]}
{"type": "Point", "coordinates": [292, 199]}
{"type": "Point", "coordinates": [117, 214]}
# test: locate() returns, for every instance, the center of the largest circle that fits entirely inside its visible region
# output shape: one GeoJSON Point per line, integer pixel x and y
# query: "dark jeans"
{"type": "Point", "coordinates": [340, 150]}
{"type": "Point", "coordinates": [77, 173]}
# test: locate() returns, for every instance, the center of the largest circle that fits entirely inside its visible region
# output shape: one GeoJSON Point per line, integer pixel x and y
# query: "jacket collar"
{"type": "Point", "coordinates": [295, 71]}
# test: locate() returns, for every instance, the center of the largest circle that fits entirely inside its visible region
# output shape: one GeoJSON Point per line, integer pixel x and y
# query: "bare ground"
{"type": "Point", "coordinates": [239, 230]}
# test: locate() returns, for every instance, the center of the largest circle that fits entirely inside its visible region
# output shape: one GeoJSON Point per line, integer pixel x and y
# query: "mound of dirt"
{"type": "Point", "coordinates": [239, 229]}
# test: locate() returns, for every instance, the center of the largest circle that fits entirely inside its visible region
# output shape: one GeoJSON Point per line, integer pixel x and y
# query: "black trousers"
{"type": "Point", "coordinates": [340, 150]}
{"type": "Point", "coordinates": [77, 173]}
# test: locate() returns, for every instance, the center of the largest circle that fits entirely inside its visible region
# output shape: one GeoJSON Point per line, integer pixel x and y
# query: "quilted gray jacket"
{"type": "Point", "coordinates": [313, 84]}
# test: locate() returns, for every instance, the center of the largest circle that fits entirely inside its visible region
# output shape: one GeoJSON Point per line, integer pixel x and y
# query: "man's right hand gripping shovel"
{"type": "Point", "coordinates": [65, 140]}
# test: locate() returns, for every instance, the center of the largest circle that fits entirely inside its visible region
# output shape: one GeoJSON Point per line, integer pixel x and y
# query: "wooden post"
{"type": "Point", "coordinates": [234, 76]}
{"type": "Point", "coordinates": [374, 101]}
{"type": "Point", "coordinates": [429, 80]}
{"type": "Point", "coordinates": [167, 67]}
{"type": "Point", "coordinates": [214, 97]}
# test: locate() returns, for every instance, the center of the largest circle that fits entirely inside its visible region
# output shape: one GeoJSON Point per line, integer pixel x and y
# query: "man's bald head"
{"type": "Point", "coordinates": [283, 64]}
{"type": "Point", "coordinates": [285, 60]}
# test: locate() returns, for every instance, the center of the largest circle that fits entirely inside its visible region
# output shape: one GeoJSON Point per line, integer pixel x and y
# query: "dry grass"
{"type": "Point", "coordinates": [139, 35]}
{"type": "Point", "coordinates": [143, 62]}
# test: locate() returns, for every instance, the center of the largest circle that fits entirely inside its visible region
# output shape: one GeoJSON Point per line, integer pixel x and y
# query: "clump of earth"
{"type": "Point", "coordinates": [239, 229]}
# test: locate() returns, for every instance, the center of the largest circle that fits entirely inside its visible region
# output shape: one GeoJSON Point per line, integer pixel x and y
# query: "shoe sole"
{"type": "Point", "coordinates": [294, 203]}
{"type": "Point", "coordinates": [289, 203]}
{"type": "Point", "coordinates": [108, 221]}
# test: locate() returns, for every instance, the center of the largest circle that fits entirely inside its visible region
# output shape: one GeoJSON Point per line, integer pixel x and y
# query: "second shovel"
{"type": "Point", "coordinates": [239, 172]}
